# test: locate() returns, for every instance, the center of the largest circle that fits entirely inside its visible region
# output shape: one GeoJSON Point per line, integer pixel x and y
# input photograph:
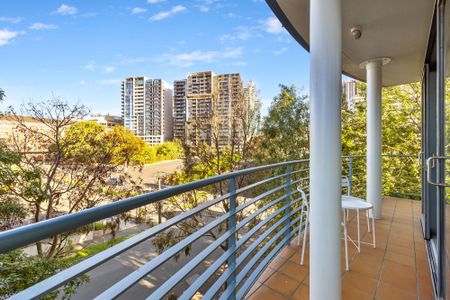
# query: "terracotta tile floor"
{"type": "Point", "coordinates": [396, 269]}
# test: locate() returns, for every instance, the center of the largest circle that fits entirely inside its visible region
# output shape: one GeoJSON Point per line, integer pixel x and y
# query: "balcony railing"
{"type": "Point", "coordinates": [257, 212]}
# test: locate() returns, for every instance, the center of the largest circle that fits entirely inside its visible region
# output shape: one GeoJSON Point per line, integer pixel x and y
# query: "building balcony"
{"type": "Point", "coordinates": [244, 244]}
{"type": "Point", "coordinates": [396, 269]}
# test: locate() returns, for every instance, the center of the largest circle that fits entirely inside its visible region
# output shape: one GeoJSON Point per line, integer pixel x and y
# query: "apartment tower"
{"type": "Point", "coordinates": [230, 107]}
{"type": "Point", "coordinates": [147, 108]}
{"type": "Point", "coordinates": [179, 109]}
{"type": "Point", "coordinates": [200, 94]}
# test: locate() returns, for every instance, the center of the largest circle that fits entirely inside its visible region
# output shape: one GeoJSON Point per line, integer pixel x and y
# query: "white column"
{"type": "Point", "coordinates": [325, 147]}
{"type": "Point", "coordinates": [373, 69]}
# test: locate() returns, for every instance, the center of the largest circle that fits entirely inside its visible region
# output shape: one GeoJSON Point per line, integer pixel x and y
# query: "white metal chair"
{"type": "Point", "coordinates": [353, 203]}
{"type": "Point", "coordinates": [305, 210]}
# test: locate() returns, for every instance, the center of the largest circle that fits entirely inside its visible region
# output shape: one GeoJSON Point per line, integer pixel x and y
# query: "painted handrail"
{"type": "Point", "coordinates": [244, 257]}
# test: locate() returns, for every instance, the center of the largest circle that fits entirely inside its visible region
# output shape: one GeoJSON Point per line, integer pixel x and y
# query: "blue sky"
{"type": "Point", "coordinates": [80, 50]}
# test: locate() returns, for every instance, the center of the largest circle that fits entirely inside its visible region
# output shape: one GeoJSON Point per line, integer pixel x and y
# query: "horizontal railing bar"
{"type": "Point", "coordinates": [221, 280]}
{"type": "Point", "coordinates": [31, 233]}
{"type": "Point", "coordinates": [125, 283]}
{"type": "Point", "coordinates": [25, 235]}
{"type": "Point", "coordinates": [253, 185]}
{"type": "Point", "coordinates": [298, 180]}
{"type": "Point", "coordinates": [262, 265]}
{"type": "Point", "coordinates": [200, 280]}
{"type": "Point", "coordinates": [186, 269]}
{"type": "Point", "coordinates": [299, 171]}
{"type": "Point", "coordinates": [261, 196]}
{"type": "Point", "coordinates": [128, 281]}
{"type": "Point", "coordinates": [64, 276]}
{"type": "Point", "coordinates": [255, 258]}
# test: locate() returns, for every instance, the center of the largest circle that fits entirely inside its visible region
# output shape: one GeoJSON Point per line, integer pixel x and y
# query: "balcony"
{"type": "Point", "coordinates": [248, 249]}
{"type": "Point", "coordinates": [396, 269]}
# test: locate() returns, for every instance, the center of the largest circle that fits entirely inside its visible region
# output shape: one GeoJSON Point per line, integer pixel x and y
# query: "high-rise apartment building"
{"type": "Point", "coordinates": [200, 94]}
{"type": "Point", "coordinates": [351, 92]}
{"type": "Point", "coordinates": [147, 108]}
{"type": "Point", "coordinates": [254, 106]}
{"type": "Point", "coordinates": [231, 107]}
{"type": "Point", "coordinates": [179, 109]}
{"type": "Point", "coordinates": [212, 104]}
{"type": "Point", "coordinates": [212, 108]}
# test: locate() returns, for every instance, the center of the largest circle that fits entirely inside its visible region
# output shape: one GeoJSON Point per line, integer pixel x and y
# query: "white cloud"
{"type": "Point", "coordinates": [108, 69]}
{"type": "Point", "coordinates": [109, 81]}
{"type": "Point", "coordinates": [243, 34]}
{"type": "Point", "coordinates": [280, 51]}
{"type": "Point", "coordinates": [6, 36]}
{"type": "Point", "coordinates": [166, 14]}
{"type": "Point", "coordinates": [154, 1]}
{"type": "Point", "coordinates": [272, 25]}
{"type": "Point", "coordinates": [82, 82]}
{"type": "Point", "coordinates": [190, 58]}
{"type": "Point", "coordinates": [65, 9]}
{"type": "Point", "coordinates": [204, 8]}
{"type": "Point", "coordinates": [90, 66]}
{"type": "Point", "coordinates": [13, 20]}
{"type": "Point", "coordinates": [42, 26]}
{"type": "Point", "coordinates": [138, 10]}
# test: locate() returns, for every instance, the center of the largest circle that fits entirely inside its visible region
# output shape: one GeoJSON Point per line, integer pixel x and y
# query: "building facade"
{"type": "Point", "coordinates": [147, 106]}
{"type": "Point", "coordinates": [179, 109]}
{"type": "Point", "coordinates": [231, 108]}
{"type": "Point", "coordinates": [207, 108]}
{"type": "Point", "coordinates": [254, 108]}
{"type": "Point", "coordinates": [200, 94]}
{"type": "Point", "coordinates": [351, 92]}
{"type": "Point", "coordinates": [105, 120]}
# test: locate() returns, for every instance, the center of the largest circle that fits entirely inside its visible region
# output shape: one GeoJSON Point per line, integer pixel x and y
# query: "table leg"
{"type": "Point", "coordinates": [359, 235]}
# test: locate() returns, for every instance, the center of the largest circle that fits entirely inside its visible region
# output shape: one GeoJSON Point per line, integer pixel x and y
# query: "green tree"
{"type": "Point", "coordinates": [18, 271]}
{"type": "Point", "coordinates": [285, 131]}
{"type": "Point", "coordinates": [128, 148]}
{"type": "Point", "coordinates": [206, 159]}
{"type": "Point", "coordinates": [401, 121]}
{"type": "Point", "coordinates": [53, 166]}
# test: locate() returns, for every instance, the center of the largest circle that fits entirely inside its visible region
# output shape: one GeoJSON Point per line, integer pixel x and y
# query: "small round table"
{"type": "Point", "coordinates": [355, 203]}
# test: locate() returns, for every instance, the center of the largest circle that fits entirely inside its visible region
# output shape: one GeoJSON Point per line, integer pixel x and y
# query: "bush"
{"type": "Point", "coordinates": [164, 151]}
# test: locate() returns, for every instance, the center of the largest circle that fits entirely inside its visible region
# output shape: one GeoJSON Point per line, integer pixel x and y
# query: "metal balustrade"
{"type": "Point", "coordinates": [263, 216]}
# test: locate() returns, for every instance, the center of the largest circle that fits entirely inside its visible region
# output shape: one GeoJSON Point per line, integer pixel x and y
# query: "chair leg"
{"type": "Point", "coordinates": [373, 230]}
{"type": "Point", "coordinates": [300, 228]}
{"type": "Point", "coordinates": [304, 239]}
{"type": "Point", "coordinates": [368, 221]}
{"type": "Point", "coordinates": [359, 234]}
{"type": "Point", "coordinates": [346, 247]}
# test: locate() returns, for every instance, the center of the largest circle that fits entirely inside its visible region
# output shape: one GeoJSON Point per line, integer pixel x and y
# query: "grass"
{"type": "Point", "coordinates": [94, 249]}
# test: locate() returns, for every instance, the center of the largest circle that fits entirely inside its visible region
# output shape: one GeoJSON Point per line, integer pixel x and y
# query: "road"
{"type": "Point", "coordinates": [114, 270]}
{"type": "Point", "coordinates": [150, 173]}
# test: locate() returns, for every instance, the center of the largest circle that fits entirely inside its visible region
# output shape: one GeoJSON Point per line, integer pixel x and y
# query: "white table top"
{"type": "Point", "coordinates": [350, 202]}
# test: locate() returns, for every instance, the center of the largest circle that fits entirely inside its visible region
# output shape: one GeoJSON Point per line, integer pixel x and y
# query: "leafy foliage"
{"type": "Point", "coordinates": [401, 121]}
{"type": "Point", "coordinates": [52, 166]}
{"type": "Point", "coordinates": [19, 271]}
{"type": "Point", "coordinates": [164, 151]}
{"type": "Point", "coordinates": [285, 131]}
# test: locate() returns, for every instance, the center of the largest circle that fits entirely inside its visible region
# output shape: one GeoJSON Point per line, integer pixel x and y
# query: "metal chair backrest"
{"type": "Point", "coordinates": [305, 202]}
{"type": "Point", "coordinates": [345, 183]}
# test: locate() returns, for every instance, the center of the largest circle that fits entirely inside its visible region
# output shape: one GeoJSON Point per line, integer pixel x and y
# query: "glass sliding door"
{"type": "Point", "coordinates": [446, 95]}
{"type": "Point", "coordinates": [436, 154]}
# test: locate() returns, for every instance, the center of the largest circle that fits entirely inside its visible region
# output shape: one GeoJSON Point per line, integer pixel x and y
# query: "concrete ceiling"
{"type": "Point", "coordinates": [398, 29]}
